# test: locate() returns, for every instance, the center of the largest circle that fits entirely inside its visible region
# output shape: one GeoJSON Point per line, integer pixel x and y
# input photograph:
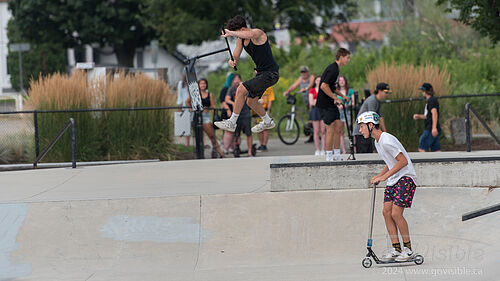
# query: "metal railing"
{"type": "Point", "coordinates": [443, 97]}
{"type": "Point", "coordinates": [34, 117]}
{"type": "Point", "coordinates": [468, 128]}
{"type": "Point", "coordinates": [70, 123]}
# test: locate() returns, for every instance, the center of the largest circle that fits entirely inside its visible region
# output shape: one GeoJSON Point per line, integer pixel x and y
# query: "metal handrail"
{"type": "Point", "coordinates": [468, 128]}
{"type": "Point", "coordinates": [71, 123]}
{"type": "Point", "coordinates": [442, 97]}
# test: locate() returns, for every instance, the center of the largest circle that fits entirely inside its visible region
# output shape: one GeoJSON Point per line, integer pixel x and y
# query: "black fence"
{"type": "Point", "coordinates": [103, 134]}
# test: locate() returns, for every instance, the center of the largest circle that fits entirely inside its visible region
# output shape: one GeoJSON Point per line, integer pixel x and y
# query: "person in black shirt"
{"type": "Point", "coordinates": [327, 104]}
{"type": "Point", "coordinates": [256, 44]}
{"type": "Point", "coordinates": [430, 137]}
{"type": "Point", "coordinates": [207, 100]}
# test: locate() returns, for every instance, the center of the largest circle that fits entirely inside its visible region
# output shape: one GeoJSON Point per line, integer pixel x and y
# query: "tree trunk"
{"type": "Point", "coordinates": [125, 54]}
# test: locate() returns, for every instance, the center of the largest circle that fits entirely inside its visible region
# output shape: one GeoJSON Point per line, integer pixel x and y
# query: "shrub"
{"type": "Point", "coordinates": [109, 135]}
{"type": "Point", "coordinates": [404, 81]}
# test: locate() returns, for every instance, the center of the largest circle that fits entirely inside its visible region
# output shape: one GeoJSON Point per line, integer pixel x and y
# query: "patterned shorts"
{"type": "Point", "coordinates": [401, 193]}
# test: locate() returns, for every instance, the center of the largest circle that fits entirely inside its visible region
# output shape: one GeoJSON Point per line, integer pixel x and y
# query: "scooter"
{"type": "Point", "coordinates": [367, 262]}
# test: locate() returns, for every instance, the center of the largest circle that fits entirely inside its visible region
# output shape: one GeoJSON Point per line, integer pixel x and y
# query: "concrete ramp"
{"type": "Point", "coordinates": [312, 235]}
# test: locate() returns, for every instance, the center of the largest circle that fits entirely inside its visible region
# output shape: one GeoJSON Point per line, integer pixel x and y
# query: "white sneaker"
{"type": "Point", "coordinates": [390, 255]}
{"type": "Point", "coordinates": [262, 126]}
{"type": "Point", "coordinates": [329, 159]}
{"type": "Point", "coordinates": [405, 255]}
{"type": "Point", "coordinates": [338, 158]}
{"type": "Point", "coordinates": [317, 153]}
{"type": "Point", "coordinates": [226, 125]}
{"type": "Point", "coordinates": [322, 153]}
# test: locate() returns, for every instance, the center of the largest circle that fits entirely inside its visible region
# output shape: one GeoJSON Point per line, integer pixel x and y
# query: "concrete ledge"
{"type": "Point", "coordinates": [437, 172]}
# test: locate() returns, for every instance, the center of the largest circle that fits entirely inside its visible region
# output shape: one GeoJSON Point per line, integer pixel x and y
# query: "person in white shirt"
{"type": "Point", "coordinates": [401, 183]}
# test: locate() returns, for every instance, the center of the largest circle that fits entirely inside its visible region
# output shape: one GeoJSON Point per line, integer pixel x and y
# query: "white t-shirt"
{"type": "Point", "coordinates": [388, 147]}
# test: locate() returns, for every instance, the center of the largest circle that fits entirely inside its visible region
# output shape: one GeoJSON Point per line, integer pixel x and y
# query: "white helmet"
{"type": "Point", "coordinates": [368, 117]}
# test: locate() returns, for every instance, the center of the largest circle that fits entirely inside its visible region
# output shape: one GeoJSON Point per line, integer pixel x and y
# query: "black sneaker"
{"type": "Point", "coordinates": [262, 148]}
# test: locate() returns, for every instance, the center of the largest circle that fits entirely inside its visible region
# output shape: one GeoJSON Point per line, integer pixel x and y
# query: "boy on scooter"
{"type": "Point", "coordinates": [401, 184]}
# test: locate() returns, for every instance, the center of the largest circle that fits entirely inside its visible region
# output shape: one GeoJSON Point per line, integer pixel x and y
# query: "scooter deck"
{"type": "Point", "coordinates": [412, 259]}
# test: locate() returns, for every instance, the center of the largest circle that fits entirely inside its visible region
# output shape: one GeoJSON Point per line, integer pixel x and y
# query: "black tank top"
{"type": "Point", "coordinates": [262, 56]}
{"type": "Point", "coordinates": [206, 101]}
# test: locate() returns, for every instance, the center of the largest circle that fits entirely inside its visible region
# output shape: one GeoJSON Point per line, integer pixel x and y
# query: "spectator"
{"type": "Point", "coordinates": [207, 100]}
{"type": "Point", "coordinates": [346, 91]}
{"type": "Point", "coordinates": [222, 96]}
{"type": "Point", "coordinates": [244, 120]}
{"type": "Point", "coordinates": [304, 83]}
{"type": "Point", "coordinates": [327, 104]}
{"type": "Point", "coordinates": [372, 103]}
{"type": "Point", "coordinates": [266, 100]}
{"type": "Point", "coordinates": [314, 117]}
{"type": "Point", "coordinates": [227, 137]}
{"type": "Point", "coordinates": [430, 137]}
{"type": "Point", "coordinates": [182, 96]}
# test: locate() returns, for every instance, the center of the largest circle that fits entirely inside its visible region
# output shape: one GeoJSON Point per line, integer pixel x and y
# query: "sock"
{"type": "Point", "coordinates": [266, 118]}
{"type": "Point", "coordinates": [234, 118]}
{"type": "Point", "coordinates": [397, 246]}
{"type": "Point", "coordinates": [407, 244]}
{"type": "Point", "coordinates": [329, 156]}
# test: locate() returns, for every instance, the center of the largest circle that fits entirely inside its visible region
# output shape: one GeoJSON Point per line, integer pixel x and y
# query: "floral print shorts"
{"type": "Point", "coordinates": [401, 193]}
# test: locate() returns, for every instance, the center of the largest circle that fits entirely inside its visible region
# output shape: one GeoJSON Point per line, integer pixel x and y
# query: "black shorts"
{"type": "Point", "coordinates": [329, 114]}
{"type": "Point", "coordinates": [245, 125]}
{"type": "Point", "coordinates": [259, 84]}
{"type": "Point", "coordinates": [364, 145]}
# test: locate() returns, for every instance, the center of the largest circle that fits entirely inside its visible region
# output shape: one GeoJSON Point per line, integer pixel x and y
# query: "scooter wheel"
{"type": "Point", "coordinates": [254, 149]}
{"type": "Point", "coordinates": [236, 152]}
{"type": "Point", "coordinates": [367, 262]}
{"type": "Point", "coordinates": [419, 259]}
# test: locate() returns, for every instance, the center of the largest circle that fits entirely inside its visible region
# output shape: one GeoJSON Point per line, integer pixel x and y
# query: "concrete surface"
{"type": "Point", "coordinates": [217, 220]}
{"type": "Point", "coordinates": [435, 172]}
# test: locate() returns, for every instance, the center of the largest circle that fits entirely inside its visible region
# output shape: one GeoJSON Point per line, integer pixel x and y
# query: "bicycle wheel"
{"type": "Point", "coordinates": [288, 131]}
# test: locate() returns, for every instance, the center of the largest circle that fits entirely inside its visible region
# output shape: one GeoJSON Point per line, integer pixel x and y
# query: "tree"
{"type": "Point", "coordinates": [77, 22]}
{"type": "Point", "coordinates": [482, 15]}
{"type": "Point", "coordinates": [191, 22]}
{"type": "Point", "coordinates": [42, 59]}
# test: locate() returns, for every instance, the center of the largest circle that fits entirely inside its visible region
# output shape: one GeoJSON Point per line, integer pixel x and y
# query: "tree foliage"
{"type": "Point", "coordinates": [191, 22]}
{"type": "Point", "coordinates": [482, 15]}
{"type": "Point", "coordinates": [43, 58]}
{"type": "Point", "coordinates": [77, 22]}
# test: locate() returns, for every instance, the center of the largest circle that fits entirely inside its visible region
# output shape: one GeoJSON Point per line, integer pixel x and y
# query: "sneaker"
{"type": "Point", "coordinates": [317, 153]}
{"type": "Point", "coordinates": [261, 126]}
{"type": "Point", "coordinates": [329, 159]}
{"type": "Point", "coordinates": [405, 255]}
{"type": "Point", "coordinates": [262, 148]}
{"type": "Point", "coordinates": [322, 153]}
{"type": "Point", "coordinates": [390, 255]}
{"type": "Point", "coordinates": [226, 125]}
{"type": "Point", "coordinates": [337, 157]}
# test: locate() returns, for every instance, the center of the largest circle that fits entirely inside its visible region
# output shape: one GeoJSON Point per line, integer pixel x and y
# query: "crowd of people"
{"type": "Point", "coordinates": [309, 84]}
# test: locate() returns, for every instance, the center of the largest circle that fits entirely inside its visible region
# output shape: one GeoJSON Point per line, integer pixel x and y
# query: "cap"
{"type": "Point", "coordinates": [426, 87]}
{"type": "Point", "coordinates": [383, 87]}
{"type": "Point", "coordinates": [304, 69]}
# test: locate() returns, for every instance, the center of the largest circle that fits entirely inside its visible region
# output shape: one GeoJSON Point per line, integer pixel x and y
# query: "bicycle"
{"type": "Point", "coordinates": [288, 127]}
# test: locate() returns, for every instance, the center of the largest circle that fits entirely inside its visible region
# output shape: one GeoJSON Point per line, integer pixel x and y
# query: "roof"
{"type": "Point", "coordinates": [361, 31]}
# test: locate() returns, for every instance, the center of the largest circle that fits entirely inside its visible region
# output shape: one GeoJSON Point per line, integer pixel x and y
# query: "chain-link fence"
{"type": "Point", "coordinates": [17, 141]}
